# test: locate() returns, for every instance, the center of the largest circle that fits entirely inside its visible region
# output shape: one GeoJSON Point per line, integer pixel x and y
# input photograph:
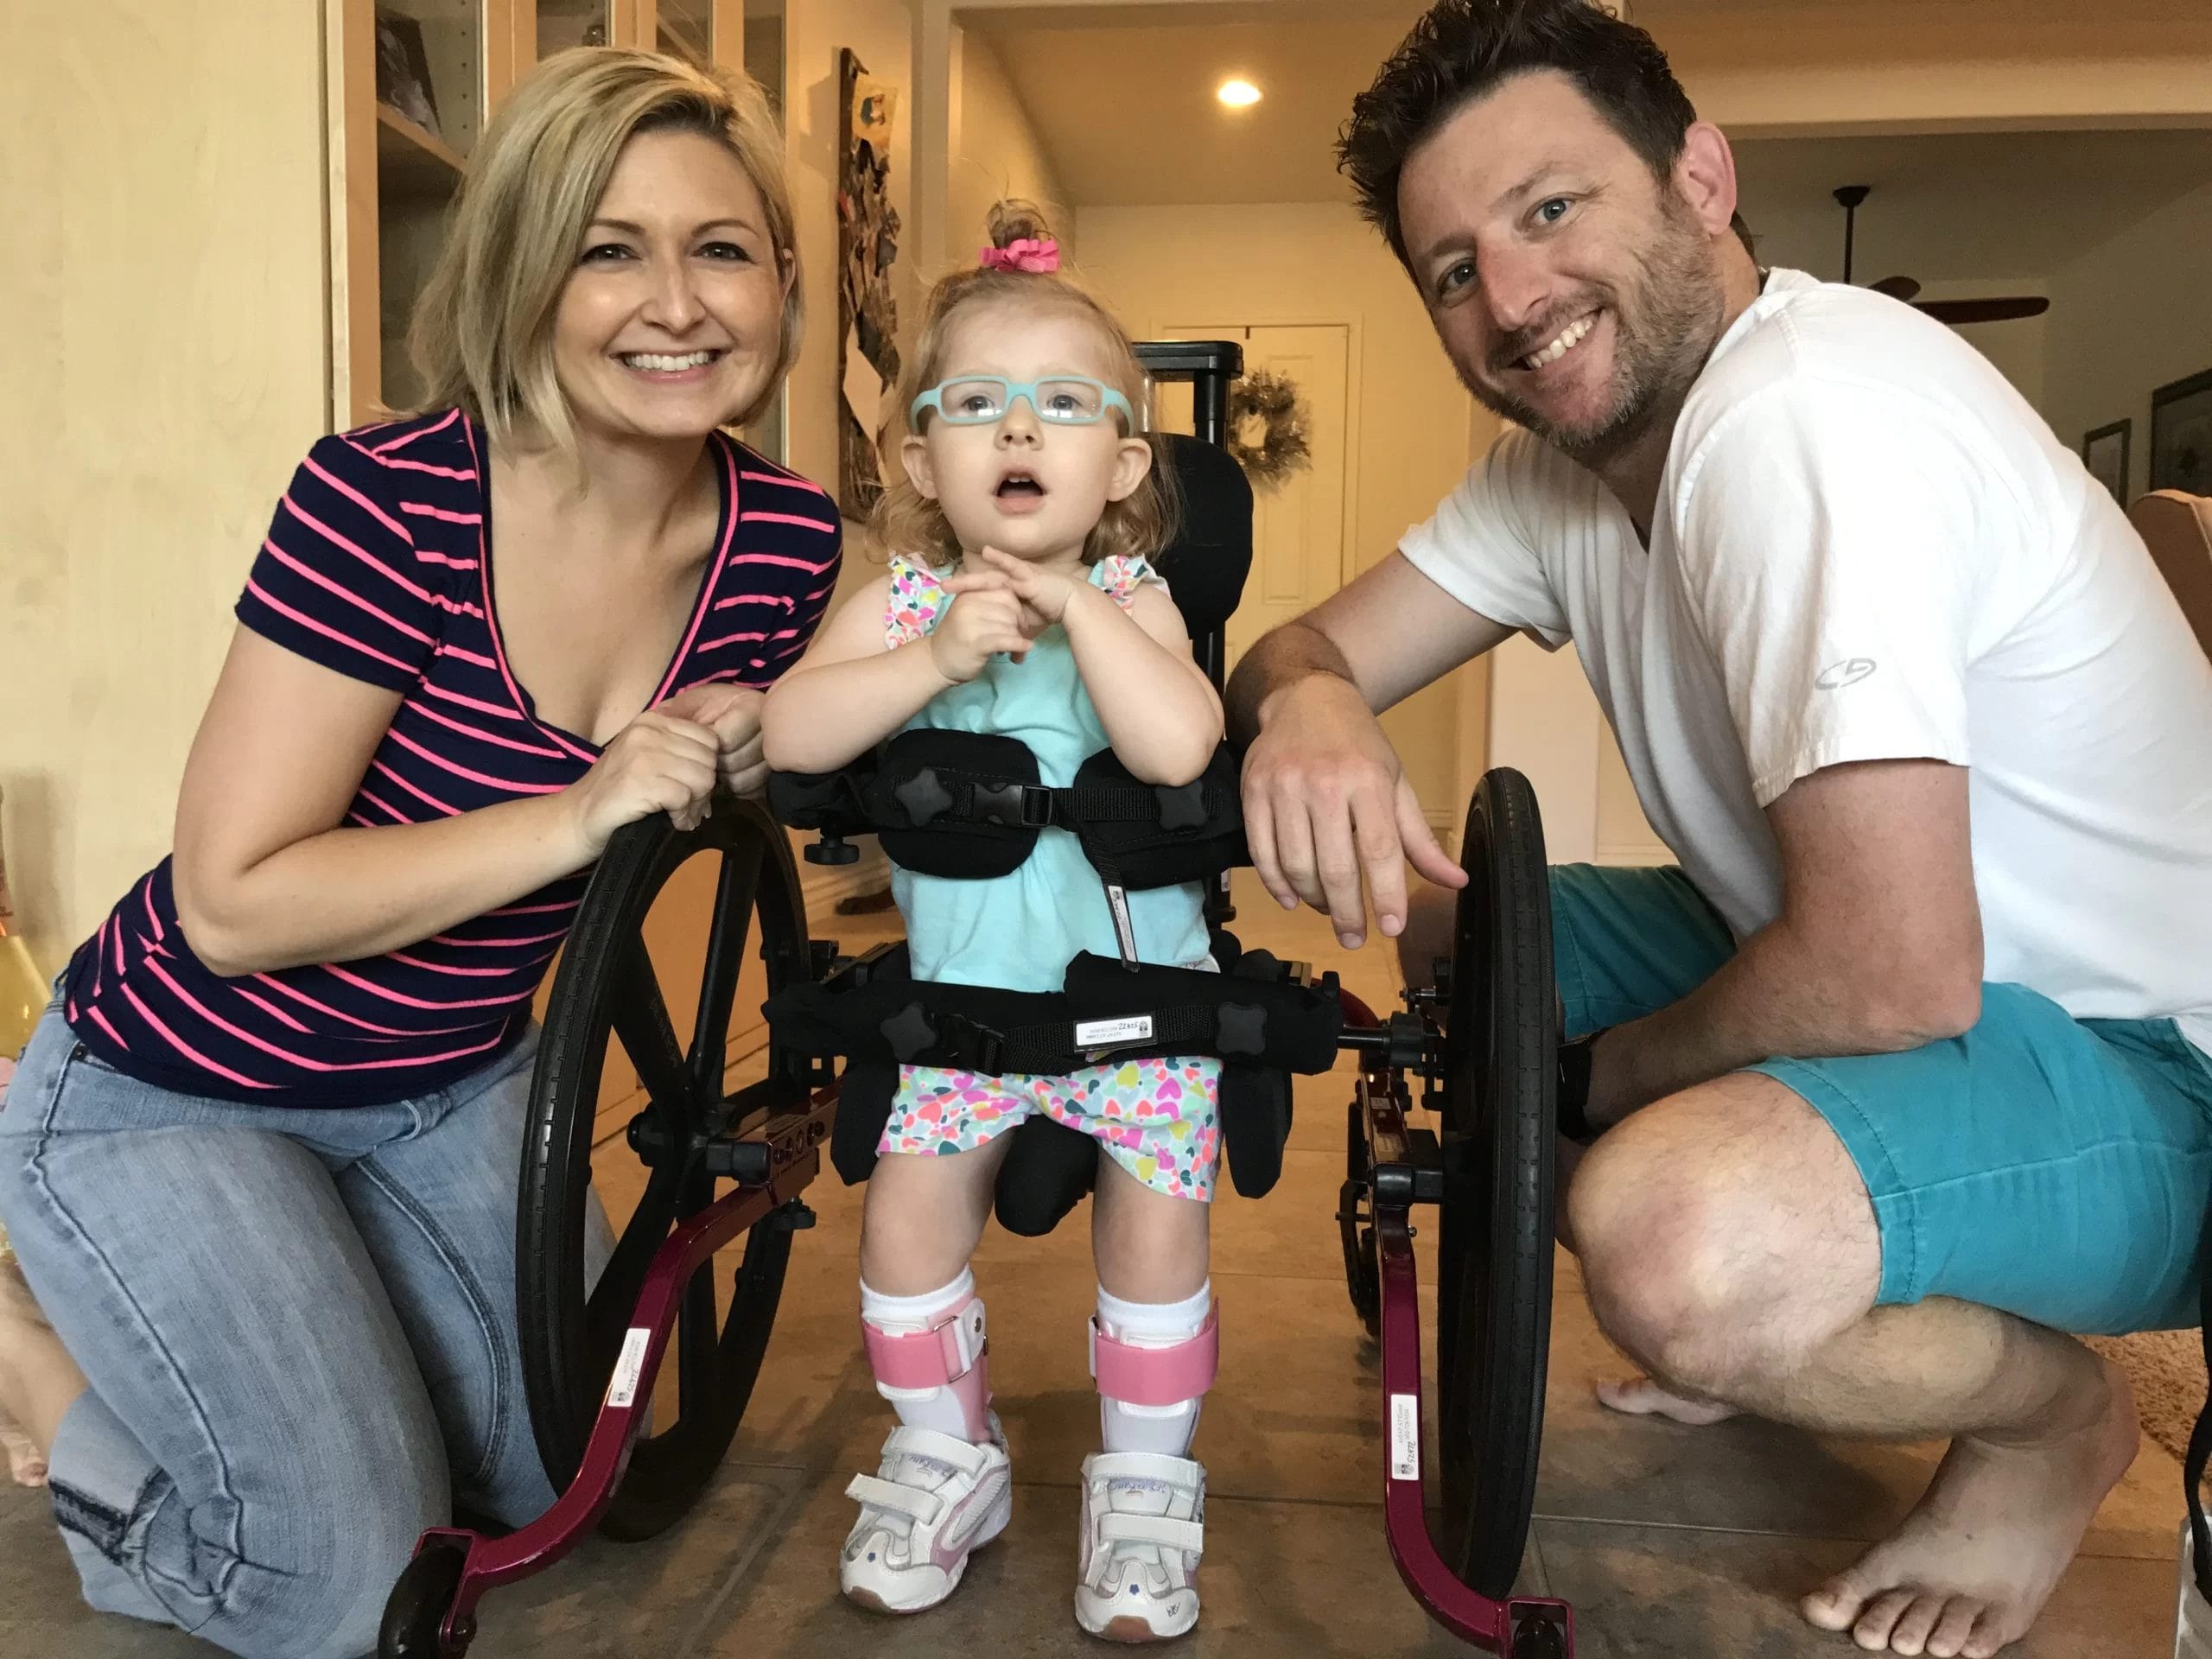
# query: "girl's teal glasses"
{"type": "Point", "coordinates": [1058, 400]}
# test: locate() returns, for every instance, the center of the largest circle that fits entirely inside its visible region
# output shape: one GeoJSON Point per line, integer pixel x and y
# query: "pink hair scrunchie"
{"type": "Point", "coordinates": [1038, 254]}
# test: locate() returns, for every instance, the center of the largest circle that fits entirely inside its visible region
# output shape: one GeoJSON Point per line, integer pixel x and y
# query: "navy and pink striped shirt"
{"type": "Point", "coordinates": [379, 566]}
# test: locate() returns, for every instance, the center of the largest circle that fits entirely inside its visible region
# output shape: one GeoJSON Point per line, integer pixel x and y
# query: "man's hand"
{"type": "Point", "coordinates": [1326, 802]}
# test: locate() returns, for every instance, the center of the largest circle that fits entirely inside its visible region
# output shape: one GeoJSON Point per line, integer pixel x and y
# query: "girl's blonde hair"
{"type": "Point", "coordinates": [482, 335]}
{"type": "Point", "coordinates": [906, 521]}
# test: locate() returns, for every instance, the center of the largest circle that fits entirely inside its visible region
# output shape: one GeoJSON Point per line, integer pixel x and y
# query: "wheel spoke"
{"type": "Point", "coordinates": [640, 1014]}
{"type": "Point", "coordinates": [614, 1298]}
{"type": "Point", "coordinates": [741, 876]}
{"type": "Point", "coordinates": [698, 1354]}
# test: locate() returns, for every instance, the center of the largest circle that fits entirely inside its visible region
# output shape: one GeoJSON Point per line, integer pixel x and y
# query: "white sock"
{"type": "Point", "coordinates": [1164, 1429]}
{"type": "Point", "coordinates": [900, 1316]}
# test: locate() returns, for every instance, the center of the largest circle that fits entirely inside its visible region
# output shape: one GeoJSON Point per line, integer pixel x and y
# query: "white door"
{"type": "Point", "coordinates": [1298, 529]}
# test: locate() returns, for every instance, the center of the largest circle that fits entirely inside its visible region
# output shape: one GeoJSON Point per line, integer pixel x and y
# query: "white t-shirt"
{"type": "Point", "coordinates": [1868, 546]}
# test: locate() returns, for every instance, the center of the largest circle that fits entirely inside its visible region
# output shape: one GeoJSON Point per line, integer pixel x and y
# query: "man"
{"type": "Point", "coordinates": [1903, 692]}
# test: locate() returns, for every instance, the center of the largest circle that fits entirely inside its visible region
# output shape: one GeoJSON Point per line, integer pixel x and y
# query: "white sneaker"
{"type": "Point", "coordinates": [1144, 1531]}
{"type": "Point", "coordinates": [933, 1500]}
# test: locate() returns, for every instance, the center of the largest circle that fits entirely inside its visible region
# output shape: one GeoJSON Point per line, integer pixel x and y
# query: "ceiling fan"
{"type": "Point", "coordinates": [2006, 308]}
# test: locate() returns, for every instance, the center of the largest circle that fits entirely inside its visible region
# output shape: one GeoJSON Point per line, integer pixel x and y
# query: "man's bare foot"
{"type": "Point", "coordinates": [1639, 1396]}
{"type": "Point", "coordinates": [1981, 1552]}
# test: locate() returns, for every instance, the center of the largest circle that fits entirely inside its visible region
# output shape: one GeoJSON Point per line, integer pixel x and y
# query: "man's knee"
{"type": "Point", "coordinates": [1666, 1267]}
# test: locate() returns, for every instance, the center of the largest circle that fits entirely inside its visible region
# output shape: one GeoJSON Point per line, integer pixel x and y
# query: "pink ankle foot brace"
{"type": "Point", "coordinates": [1157, 1377]}
{"type": "Point", "coordinates": [951, 1354]}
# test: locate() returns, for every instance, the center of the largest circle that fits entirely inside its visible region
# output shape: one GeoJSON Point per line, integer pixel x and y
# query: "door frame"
{"type": "Point", "coordinates": [1349, 504]}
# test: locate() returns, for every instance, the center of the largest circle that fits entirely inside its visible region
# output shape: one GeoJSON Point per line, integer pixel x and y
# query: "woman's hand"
{"type": "Point", "coordinates": [660, 762]}
{"type": "Point", "coordinates": [984, 619]}
{"type": "Point", "coordinates": [1044, 594]}
{"type": "Point", "coordinates": [732, 714]}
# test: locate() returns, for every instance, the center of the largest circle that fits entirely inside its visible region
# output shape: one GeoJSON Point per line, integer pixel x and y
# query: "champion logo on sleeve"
{"type": "Point", "coordinates": [1849, 671]}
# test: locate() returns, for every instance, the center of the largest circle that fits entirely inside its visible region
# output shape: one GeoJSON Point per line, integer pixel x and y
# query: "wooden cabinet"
{"type": "Point", "coordinates": [409, 87]}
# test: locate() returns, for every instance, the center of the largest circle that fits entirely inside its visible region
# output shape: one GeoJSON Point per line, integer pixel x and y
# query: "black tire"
{"type": "Point", "coordinates": [1537, 1638]}
{"type": "Point", "coordinates": [1356, 1225]}
{"type": "Point", "coordinates": [1495, 1244]}
{"type": "Point", "coordinates": [415, 1612]}
{"type": "Point", "coordinates": [606, 984]}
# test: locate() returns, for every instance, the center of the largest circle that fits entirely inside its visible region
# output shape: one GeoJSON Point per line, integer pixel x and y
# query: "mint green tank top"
{"type": "Point", "coordinates": [1019, 931]}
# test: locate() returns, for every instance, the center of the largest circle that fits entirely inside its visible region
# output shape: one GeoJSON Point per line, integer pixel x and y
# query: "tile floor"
{"type": "Point", "coordinates": [1672, 1543]}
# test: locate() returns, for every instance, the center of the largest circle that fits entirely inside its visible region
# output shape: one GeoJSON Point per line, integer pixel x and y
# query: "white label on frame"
{"type": "Point", "coordinates": [1405, 1437]}
{"type": "Point", "coordinates": [624, 1389]}
{"type": "Point", "coordinates": [1092, 1034]}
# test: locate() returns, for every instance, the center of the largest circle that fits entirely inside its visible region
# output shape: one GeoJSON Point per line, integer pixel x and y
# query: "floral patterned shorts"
{"type": "Point", "coordinates": [1158, 1117]}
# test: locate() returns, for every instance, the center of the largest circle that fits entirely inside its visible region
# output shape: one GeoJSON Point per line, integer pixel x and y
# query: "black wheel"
{"type": "Point", "coordinates": [1494, 1243]}
{"type": "Point", "coordinates": [1355, 1223]}
{"type": "Point", "coordinates": [607, 989]}
{"type": "Point", "coordinates": [1538, 1638]}
{"type": "Point", "coordinates": [415, 1612]}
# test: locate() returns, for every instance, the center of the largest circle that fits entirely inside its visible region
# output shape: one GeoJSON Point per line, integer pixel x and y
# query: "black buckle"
{"type": "Point", "coordinates": [917, 1037]}
{"type": "Point", "coordinates": [1016, 805]}
{"type": "Point", "coordinates": [974, 1045]}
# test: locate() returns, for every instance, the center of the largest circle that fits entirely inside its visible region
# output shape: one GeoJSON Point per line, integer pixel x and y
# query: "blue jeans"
{"type": "Point", "coordinates": [2053, 1167]}
{"type": "Point", "coordinates": [299, 1330]}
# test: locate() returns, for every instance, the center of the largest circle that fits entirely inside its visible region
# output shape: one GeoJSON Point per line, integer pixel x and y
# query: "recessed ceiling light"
{"type": "Point", "coordinates": [1238, 94]}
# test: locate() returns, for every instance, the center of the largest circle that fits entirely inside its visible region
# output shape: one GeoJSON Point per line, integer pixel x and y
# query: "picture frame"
{"type": "Point", "coordinates": [2105, 452]}
{"type": "Point", "coordinates": [868, 316]}
{"type": "Point", "coordinates": [2181, 435]}
{"type": "Point", "coordinates": [404, 71]}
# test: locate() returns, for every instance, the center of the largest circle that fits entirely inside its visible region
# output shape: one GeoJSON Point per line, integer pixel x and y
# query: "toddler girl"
{"type": "Point", "coordinates": [1019, 602]}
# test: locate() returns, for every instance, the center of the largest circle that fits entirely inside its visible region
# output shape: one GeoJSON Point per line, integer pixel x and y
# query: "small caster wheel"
{"type": "Point", "coordinates": [1537, 1638]}
{"type": "Point", "coordinates": [415, 1612]}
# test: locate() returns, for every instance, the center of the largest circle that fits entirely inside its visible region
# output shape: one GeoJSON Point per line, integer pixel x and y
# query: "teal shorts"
{"type": "Point", "coordinates": [2058, 1168]}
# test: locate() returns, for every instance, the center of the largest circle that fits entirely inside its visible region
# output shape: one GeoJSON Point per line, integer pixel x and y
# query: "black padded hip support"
{"type": "Point", "coordinates": [1253, 1015]}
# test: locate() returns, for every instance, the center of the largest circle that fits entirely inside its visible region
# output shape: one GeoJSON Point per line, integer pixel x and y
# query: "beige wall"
{"type": "Point", "coordinates": [2128, 317]}
{"type": "Point", "coordinates": [1408, 429]}
{"type": "Point", "coordinates": [165, 371]}
{"type": "Point", "coordinates": [996, 154]}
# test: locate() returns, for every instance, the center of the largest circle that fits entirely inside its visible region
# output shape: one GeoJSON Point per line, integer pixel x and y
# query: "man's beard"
{"type": "Point", "coordinates": [1665, 323]}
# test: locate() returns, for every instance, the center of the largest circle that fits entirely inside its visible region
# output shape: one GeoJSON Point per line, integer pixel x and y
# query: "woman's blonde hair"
{"type": "Point", "coordinates": [482, 336]}
{"type": "Point", "coordinates": [907, 521]}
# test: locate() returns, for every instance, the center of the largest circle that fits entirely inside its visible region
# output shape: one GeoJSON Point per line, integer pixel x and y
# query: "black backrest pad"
{"type": "Point", "coordinates": [1206, 566]}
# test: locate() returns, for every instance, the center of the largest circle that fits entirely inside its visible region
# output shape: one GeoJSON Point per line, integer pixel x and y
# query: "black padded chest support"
{"type": "Point", "coordinates": [971, 805]}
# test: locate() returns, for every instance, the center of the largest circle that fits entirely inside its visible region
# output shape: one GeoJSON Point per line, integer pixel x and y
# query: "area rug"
{"type": "Point", "coordinates": [2167, 1369]}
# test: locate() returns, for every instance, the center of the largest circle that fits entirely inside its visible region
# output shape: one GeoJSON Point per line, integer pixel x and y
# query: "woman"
{"type": "Point", "coordinates": [259, 1161]}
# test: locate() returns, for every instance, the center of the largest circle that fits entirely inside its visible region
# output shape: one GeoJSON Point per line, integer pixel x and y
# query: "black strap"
{"type": "Point", "coordinates": [1574, 1063]}
{"type": "Point", "coordinates": [924, 1036]}
{"type": "Point", "coordinates": [1253, 1013]}
{"type": "Point", "coordinates": [952, 794]}
{"type": "Point", "coordinates": [2200, 1438]}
